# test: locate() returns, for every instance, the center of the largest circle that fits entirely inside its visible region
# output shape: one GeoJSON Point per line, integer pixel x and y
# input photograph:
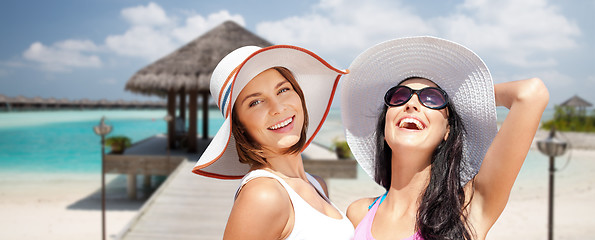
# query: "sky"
{"type": "Point", "coordinates": [89, 49]}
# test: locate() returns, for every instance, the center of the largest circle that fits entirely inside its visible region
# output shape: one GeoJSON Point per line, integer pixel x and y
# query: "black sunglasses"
{"type": "Point", "coordinates": [430, 97]}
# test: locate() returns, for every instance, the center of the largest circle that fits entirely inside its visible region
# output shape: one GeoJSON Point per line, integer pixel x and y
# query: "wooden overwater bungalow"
{"type": "Point", "coordinates": [120, 104]}
{"type": "Point", "coordinates": [5, 102]}
{"type": "Point", "coordinates": [38, 103]}
{"type": "Point", "coordinates": [63, 103]}
{"type": "Point", "coordinates": [51, 103]}
{"type": "Point", "coordinates": [105, 103]}
{"type": "Point", "coordinates": [133, 104]}
{"type": "Point", "coordinates": [85, 103]}
{"type": "Point", "coordinates": [22, 102]}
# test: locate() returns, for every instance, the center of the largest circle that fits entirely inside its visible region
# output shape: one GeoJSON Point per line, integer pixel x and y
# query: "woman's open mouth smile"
{"type": "Point", "coordinates": [283, 126]}
{"type": "Point", "coordinates": [410, 123]}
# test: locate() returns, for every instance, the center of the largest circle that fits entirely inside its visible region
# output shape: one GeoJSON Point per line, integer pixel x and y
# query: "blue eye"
{"type": "Point", "coordinates": [254, 103]}
{"type": "Point", "coordinates": [283, 90]}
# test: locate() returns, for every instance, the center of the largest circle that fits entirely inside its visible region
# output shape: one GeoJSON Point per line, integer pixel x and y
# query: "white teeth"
{"type": "Point", "coordinates": [283, 124]}
{"type": "Point", "coordinates": [411, 120]}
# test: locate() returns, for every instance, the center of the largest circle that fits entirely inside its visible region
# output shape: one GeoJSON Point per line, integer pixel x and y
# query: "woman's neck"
{"type": "Point", "coordinates": [410, 177]}
{"type": "Point", "coordinates": [288, 165]}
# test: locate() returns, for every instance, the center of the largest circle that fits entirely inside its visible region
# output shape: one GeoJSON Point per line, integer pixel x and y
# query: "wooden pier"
{"type": "Point", "coordinates": [189, 206]}
{"type": "Point", "coordinates": [186, 206]}
{"type": "Point", "coordinates": [149, 157]}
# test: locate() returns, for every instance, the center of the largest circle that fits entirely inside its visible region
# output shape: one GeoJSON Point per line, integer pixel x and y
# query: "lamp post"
{"type": "Point", "coordinates": [102, 129]}
{"type": "Point", "coordinates": [551, 147]}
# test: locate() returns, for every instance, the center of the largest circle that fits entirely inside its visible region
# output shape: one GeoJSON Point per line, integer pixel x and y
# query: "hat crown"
{"type": "Point", "coordinates": [454, 68]}
{"type": "Point", "coordinates": [222, 77]}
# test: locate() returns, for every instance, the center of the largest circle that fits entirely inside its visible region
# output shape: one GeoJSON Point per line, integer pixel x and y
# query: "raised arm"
{"type": "Point", "coordinates": [526, 100]}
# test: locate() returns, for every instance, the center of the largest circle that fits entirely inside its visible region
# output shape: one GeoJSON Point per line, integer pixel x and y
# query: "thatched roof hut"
{"type": "Point", "coordinates": [188, 70]}
{"type": "Point", "coordinates": [189, 67]}
{"type": "Point", "coordinates": [5, 102]}
{"type": "Point", "coordinates": [21, 98]}
{"type": "Point", "coordinates": [104, 103]}
{"type": "Point", "coordinates": [38, 102]}
{"type": "Point", "coordinates": [51, 100]}
{"type": "Point", "coordinates": [21, 102]}
{"type": "Point", "coordinates": [64, 102]}
{"type": "Point", "coordinates": [577, 102]}
{"type": "Point", "coordinates": [120, 104]}
{"type": "Point", "coordinates": [86, 103]}
{"type": "Point", "coordinates": [134, 104]}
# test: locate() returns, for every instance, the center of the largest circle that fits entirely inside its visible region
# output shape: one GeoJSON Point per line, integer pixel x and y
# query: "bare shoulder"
{"type": "Point", "coordinates": [264, 189]}
{"type": "Point", "coordinates": [262, 209]}
{"type": "Point", "coordinates": [358, 209]}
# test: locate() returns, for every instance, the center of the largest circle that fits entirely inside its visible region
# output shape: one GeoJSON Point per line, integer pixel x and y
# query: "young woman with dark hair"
{"type": "Point", "coordinates": [419, 116]}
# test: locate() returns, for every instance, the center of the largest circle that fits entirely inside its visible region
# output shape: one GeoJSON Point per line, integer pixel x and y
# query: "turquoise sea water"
{"type": "Point", "coordinates": [64, 141]}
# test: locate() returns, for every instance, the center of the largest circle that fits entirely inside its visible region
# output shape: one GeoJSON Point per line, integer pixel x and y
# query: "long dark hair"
{"type": "Point", "coordinates": [441, 210]}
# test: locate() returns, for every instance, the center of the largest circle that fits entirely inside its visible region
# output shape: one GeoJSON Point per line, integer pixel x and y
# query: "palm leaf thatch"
{"type": "Point", "coordinates": [4, 99]}
{"type": "Point", "coordinates": [576, 101]}
{"type": "Point", "coordinates": [190, 67]}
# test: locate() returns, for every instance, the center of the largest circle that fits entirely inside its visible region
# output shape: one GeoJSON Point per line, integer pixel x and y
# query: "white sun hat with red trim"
{"type": "Point", "coordinates": [453, 67]}
{"type": "Point", "coordinates": [317, 79]}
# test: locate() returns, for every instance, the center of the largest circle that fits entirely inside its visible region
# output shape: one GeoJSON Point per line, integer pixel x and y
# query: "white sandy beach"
{"type": "Point", "coordinates": [57, 206]}
{"type": "Point", "coordinates": [525, 216]}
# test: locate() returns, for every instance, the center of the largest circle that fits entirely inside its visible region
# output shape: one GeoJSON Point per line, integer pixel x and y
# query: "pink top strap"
{"type": "Point", "coordinates": [363, 231]}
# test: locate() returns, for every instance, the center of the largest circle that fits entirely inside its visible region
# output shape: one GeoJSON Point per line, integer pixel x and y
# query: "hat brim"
{"type": "Point", "coordinates": [317, 79]}
{"type": "Point", "coordinates": [454, 68]}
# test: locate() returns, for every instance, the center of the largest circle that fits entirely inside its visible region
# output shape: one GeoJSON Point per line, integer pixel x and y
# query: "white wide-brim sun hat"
{"type": "Point", "coordinates": [317, 79]}
{"type": "Point", "coordinates": [453, 67]}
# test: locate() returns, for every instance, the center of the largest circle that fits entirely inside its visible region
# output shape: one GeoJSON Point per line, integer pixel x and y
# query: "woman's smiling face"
{"type": "Point", "coordinates": [414, 126]}
{"type": "Point", "coordinates": [270, 111]}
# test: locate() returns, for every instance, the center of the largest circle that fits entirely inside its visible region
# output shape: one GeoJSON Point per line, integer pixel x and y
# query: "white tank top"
{"type": "Point", "coordinates": [309, 223]}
